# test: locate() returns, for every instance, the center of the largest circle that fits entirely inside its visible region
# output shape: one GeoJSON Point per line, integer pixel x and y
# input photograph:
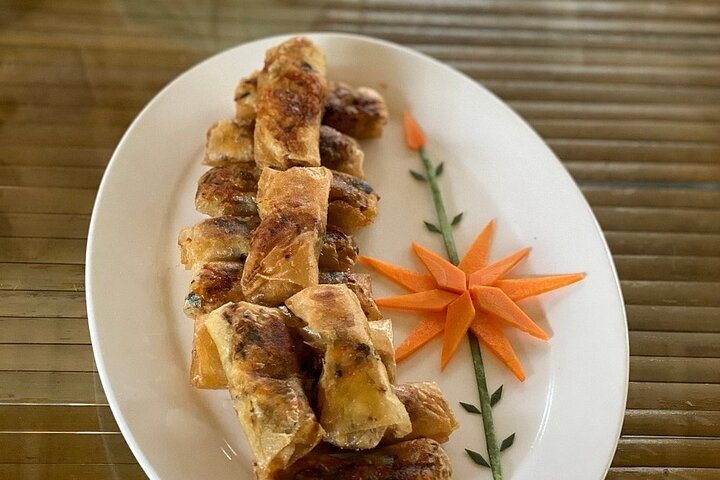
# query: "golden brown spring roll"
{"type": "Point", "coordinates": [245, 94]}
{"type": "Point", "coordinates": [359, 284]}
{"type": "Point", "coordinates": [358, 112]}
{"type": "Point", "coordinates": [206, 370]}
{"type": "Point", "coordinates": [213, 284]}
{"type": "Point", "coordinates": [290, 97]}
{"type": "Point", "coordinates": [229, 142]}
{"type": "Point", "coordinates": [340, 152]}
{"type": "Point", "coordinates": [421, 459]}
{"type": "Point", "coordinates": [285, 247]}
{"type": "Point", "coordinates": [228, 190]}
{"type": "Point", "coordinates": [430, 414]}
{"type": "Point", "coordinates": [223, 238]}
{"type": "Point", "coordinates": [381, 334]}
{"type": "Point", "coordinates": [339, 252]}
{"type": "Point", "coordinates": [355, 397]}
{"type": "Point", "coordinates": [258, 355]}
{"type": "Point", "coordinates": [352, 203]}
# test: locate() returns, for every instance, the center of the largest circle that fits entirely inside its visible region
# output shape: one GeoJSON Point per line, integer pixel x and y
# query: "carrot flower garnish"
{"type": "Point", "coordinates": [464, 298]}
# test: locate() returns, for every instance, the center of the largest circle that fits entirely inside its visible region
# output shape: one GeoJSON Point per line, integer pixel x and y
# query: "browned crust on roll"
{"type": "Point", "coordinates": [358, 112]}
{"type": "Point", "coordinates": [421, 459]}
{"type": "Point", "coordinates": [290, 97]}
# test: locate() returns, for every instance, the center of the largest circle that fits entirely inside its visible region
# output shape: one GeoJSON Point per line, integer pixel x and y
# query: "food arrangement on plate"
{"type": "Point", "coordinates": [284, 323]}
{"type": "Point", "coordinates": [280, 319]}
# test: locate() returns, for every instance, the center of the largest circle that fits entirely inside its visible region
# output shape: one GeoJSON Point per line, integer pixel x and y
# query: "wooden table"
{"type": "Point", "coordinates": [627, 93]}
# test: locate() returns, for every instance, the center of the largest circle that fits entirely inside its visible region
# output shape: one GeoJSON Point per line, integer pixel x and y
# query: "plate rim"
{"type": "Point", "coordinates": [115, 408]}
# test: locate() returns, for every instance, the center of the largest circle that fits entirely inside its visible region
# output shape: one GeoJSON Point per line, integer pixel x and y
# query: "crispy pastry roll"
{"type": "Point", "coordinates": [340, 152]}
{"type": "Point", "coordinates": [381, 334]}
{"type": "Point", "coordinates": [421, 459]}
{"type": "Point", "coordinates": [229, 142]}
{"type": "Point", "coordinates": [355, 398]}
{"type": "Point", "coordinates": [358, 112]}
{"type": "Point", "coordinates": [245, 94]}
{"type": "Point", "coordinates": [291, 93]}
{"type": "Point", "coordinates": [223, 238]}
{"type": "Point", "coordinates": [429, 412]}
{"type": "Point", "coordinates": [338, 253]}
{"type": "Point", "coordinates": [228, 190]}
{"type": "Point", "coordinates": [285, 247]}
{"type": "Point", "coordinates": [206, 370]}
{"type": "Point", "coordinates": [352, 203]}
{"type": "Point", "coordinates": [257, 352]}
{"type": "Point", "coordinates": [359, 284]}
{"type": "Point", "coordinates": [213, 284]}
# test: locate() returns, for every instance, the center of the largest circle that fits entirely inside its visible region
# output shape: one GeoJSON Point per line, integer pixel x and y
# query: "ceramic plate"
{"type": "Point", "coordinates": [566, 415]}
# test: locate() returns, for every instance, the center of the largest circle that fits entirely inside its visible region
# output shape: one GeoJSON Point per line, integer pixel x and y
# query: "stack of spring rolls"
{"type": "Point", "coordinates": [279, 318]}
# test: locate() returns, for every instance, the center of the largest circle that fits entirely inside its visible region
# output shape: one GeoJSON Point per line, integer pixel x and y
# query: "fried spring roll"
{"type": "Point", "coordinates": [285, 247]}
{"type": "Point", "coordinates": [338, 253]}
{"type": "Point", "coordinates": [430, 414]}
{"type": "Point", "coordinates": [340, 152]}
{"type": "Point", "coordinates": [358, 112]}
{"type": "Point", "coordinates": [206, 370]}
{"type": "Point", "coordinates": [355, 397]}
{"type": "Point", "coordinates": [421, 459]}
{"type": "Point", "coordinates": [258, 355]}
{"type": "Point", "coordinates": [290, 97]}
{"type": "Point", "coordinates": [223, 238]}
{"type": "Point", "coordinates": [245, 99]}
{"type": "Point", "coordinates": [228, 190]}
{"type": "Point", "coordinates": [229, 142]}
{"type": "Point", "coordinates": [381, 334]}
{"type": "Point", "coordinates": [359, 284]}
{"type": "Point", "coordinates": [352, 203]}
{"type": "Point", "coordinates": [213, 284]}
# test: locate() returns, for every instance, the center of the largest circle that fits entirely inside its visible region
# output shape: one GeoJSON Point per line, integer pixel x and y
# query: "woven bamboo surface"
{"type": "Point", "coordinates": [627, 93]}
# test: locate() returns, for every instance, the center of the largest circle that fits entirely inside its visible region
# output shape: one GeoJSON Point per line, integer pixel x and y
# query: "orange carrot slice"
{"type": "Point", "coordinates": [477, 256]}
{"type": "Point", "coordinates": [519, 288]}
{"type": "Point", "coordinates": [414, 136]}
{"type": "Point", "coordinates": [490, 274]}
{"type": "Point", "coordinates": [460, 314]}
{"type": "Point", "coordinates": [431, 325]}
{"type": "Point", "coordinates": [488, 330]}
{"type": "Point", "coordinates": [494, 300]}
{"type": "Point", "coordinates": [413, 281]}
{"type": "Point", "coordinates": [430, 301]}
{"type": "Point", "coordinates": [447, 275]}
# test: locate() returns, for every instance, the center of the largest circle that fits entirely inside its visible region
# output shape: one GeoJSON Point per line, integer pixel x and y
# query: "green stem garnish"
{"type": "Point", "coordinates": [445, 229]}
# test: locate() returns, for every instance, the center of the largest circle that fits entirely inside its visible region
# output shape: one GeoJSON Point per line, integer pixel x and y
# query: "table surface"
{"type": "Point", "coordinates": [627, 93]}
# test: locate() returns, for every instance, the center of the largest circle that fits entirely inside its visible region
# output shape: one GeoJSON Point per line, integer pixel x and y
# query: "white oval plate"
{"type": "Point", "coordinates": [566, 415]}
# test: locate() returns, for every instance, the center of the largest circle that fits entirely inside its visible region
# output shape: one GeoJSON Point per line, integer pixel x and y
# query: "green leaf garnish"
{"type": "Point", "coordinates": [477, 458]}
{"type": "Point", "coordinates": [457, 219]}
{"type": "Point", "coordinates": [507, 443]}
{"type": "Point", "coordinates": [418, 176]}
{"type": "Point", "coordinates": [469, 407]}
{"type": "Point", "coordinates": [193, 300]}
{"type": "Point", "coordinates": [496, 396]}
{"type": "Point", "coordinates": [440, 169]}
{"type": "Point", "coordinates": [433, 228]}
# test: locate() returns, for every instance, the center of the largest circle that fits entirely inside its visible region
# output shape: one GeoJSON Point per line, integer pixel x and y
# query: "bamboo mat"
{"type": "Point", "coordinates": [627, 93]}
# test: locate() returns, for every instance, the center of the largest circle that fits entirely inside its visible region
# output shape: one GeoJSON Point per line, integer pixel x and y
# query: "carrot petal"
{"type": "Point", "coordinates": [413, 281]}
{"type": "Point", "coordinates": [431, 325]}
{"type": "Point", "coordinates": [447, 275]}
{"type": "Point", "coordinates": [492, 273]}
{"type": "Point", "coordinates": [430, 301]}
{"type": "Point", "coordinates": [460, 314]}
{"type": "Point", "coordinates": [519, 288]}
{"type": "Point", "coordinates": [414, 136]}
{"type": "Point", "coordinates": [489, 331]}
{"type": "Point", "coordinates": [494, 300]}
{"type": "Point", "coordinates": [477, 256]}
